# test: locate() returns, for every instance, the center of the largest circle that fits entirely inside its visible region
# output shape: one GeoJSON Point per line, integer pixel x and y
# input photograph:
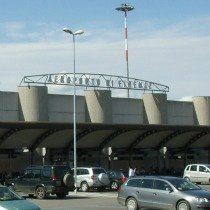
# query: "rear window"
{"type": "Point", "coordinates": [134, 182]}
{"type": "Point", "coordinates": [98, 170]}
{"type": "Point", "coordinates": [60, 171]}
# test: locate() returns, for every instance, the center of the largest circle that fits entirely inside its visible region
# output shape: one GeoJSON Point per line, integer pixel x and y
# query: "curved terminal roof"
{"type": "Point", "coordinates": [16, 135]}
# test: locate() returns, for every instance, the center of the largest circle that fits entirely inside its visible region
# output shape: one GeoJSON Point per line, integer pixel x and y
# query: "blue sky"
{"type": "Point", "coordinates": [169, 41]}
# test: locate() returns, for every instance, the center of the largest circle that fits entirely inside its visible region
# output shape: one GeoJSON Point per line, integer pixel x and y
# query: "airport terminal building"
{"type": "Point", "coordinates": [112, 132]}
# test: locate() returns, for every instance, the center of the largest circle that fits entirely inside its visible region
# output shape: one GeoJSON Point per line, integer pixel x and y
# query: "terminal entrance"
{"type": "Point", "coordinates": [149, 147]}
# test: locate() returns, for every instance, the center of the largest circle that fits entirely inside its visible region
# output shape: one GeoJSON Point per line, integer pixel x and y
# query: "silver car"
{"type": "Point", "coordinates": [199, 173]}
{"type": "Point", "coordinates": [92, 177]}
{"type": "Point", "coordinates": [155, 192]}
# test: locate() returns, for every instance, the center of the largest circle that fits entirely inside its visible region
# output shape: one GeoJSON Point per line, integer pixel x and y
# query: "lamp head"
{"type": "Point", "coordinates": [78, 32]}
{"type": "Point", "coordinates": [125, 8]}
{"type": "Point", "coordinates": [67, 30]}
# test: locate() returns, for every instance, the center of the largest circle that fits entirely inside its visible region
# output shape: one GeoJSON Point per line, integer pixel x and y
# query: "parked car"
{"type": "Point", "coordinates": [156, 192]}
{"type": "Point", "coordinates": [198, 173]}
{"type": "Point", "coordinates": [92, 178]}
{"type": "Point", "coordinates": [9, 200]}
{"type": "Point", "coordinates": [42, 181]}
{"type": "Point", "coordinates": [117, 178]}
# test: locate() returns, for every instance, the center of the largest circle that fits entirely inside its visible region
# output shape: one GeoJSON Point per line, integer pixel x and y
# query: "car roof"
{"type": "Point", "coordinates": [203, 164]}
{"type": "Point", "coordinates": [156, 177]}
{"type": "Point", "coordinates": [198, 164]}
{"type": "Point", "coordinates": [41, 166]}
{"type": "Point", "coordinates": [89, 167]}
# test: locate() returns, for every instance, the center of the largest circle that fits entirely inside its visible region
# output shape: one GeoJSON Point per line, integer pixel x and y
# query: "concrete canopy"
{"type": "Point", "coordinates": [17, 135]}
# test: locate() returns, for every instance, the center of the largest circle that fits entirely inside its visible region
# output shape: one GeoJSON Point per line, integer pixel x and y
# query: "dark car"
{"type": "Point", "coordinates": [156, 192]}
{"type": "Point", "coordinates": [117, 178]}
{"type": "Point", "coordinates": [42, 181]}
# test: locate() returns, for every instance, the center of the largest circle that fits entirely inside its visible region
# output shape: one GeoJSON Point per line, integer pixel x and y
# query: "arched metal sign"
{"type": "Point", "coordinates": [95, 81]}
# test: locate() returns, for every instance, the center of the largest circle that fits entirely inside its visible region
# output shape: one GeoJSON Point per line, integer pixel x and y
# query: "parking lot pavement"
{"type": "Point", "coordinates": [81, 201]}
{"type": "Point", "coordinates": [205, 186]}
{"type": "Point", "coordinates": [94, 194]}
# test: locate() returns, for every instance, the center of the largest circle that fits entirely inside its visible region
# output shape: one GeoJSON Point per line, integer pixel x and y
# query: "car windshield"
{"type": "Point", "coordinates": [208, 166]}
{"type": "Point", "coordinates": [182, 184]}
{"type": "Point", "coordinates": [115, 174]}
{"type": "Point", "coordinates": [8, 195]}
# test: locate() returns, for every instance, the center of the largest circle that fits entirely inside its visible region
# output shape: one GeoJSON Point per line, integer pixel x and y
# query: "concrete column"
{"type": "Point", "coordinates": [155, 106]}
{"type": "Point", "coordinates": [33, 103]}
{"type": "Point", "coordinates": [98, 106]}
{"type": "Point", "coordinates": [202, 110]}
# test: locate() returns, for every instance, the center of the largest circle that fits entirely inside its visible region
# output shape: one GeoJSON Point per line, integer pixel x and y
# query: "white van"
{"type": "Point", "coordinates": [198, 173]}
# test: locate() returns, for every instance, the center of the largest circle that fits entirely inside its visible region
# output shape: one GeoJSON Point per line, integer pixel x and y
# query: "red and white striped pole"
{"type": "Point", "coordinates": [125, 8]}
{"type": "Point", "coordinates": [126, 53]}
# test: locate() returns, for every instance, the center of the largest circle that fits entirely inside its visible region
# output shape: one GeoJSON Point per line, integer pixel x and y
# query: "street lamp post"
{"type": "Point", "coordinates": [78, 32]}
{"type": "Point", "coordinates": [126, 8]}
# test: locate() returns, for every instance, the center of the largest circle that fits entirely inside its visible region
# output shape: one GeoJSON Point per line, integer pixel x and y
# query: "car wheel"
{"type": "Point", "coordinates": [61, 195]}
{"type": "Point", "coordinates": [183, 205]}
{"type": "Point", "coordinates": [84, 187]}
{"type": "Point", "coordinates": [131, 204]}
{"type": "Point", "coordinates": [40, 193]}
{"type": "Point", "coordinates": [114, 186]}
{"type": "Point", "coordinates": [187, 178]}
